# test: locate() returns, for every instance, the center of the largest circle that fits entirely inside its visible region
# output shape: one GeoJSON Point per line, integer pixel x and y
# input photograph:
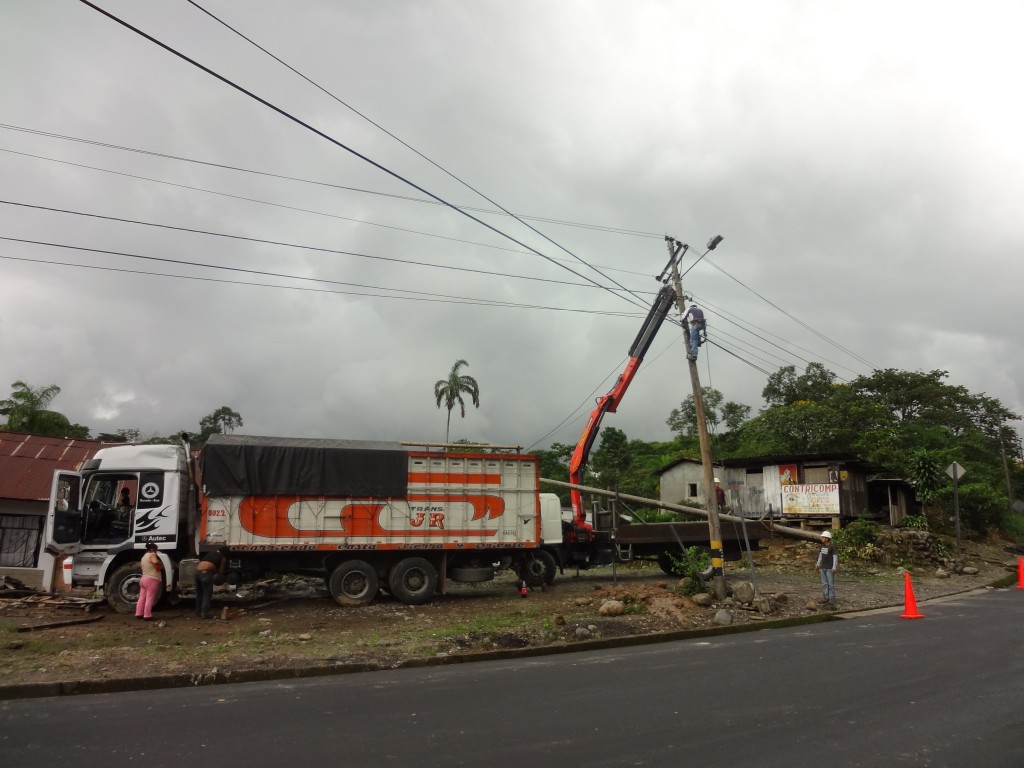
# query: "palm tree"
{"type": "Point", "coordinates": [26, 410]}
{"type": "Point", "coordinates": [450, 391]}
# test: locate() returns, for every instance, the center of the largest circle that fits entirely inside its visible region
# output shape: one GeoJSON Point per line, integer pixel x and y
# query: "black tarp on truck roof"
{"type": "Point", "coordinates": [246, 465]}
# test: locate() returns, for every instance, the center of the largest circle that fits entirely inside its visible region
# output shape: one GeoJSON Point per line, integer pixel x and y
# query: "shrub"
{"type": "Point", "coordinates": [857, 540]}
{"type": "Point", "coordinates": [1013, 526]}
{"type": "Point", "coordinates": [691, 565]}
{"type": "Point", "coordinates": [917, 522]}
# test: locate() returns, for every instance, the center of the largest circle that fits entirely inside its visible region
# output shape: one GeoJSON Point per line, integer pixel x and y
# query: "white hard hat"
{"type": "Point", "coordinates": [717, 480]}
{"type": "Point", "coordinates": [826, 534]}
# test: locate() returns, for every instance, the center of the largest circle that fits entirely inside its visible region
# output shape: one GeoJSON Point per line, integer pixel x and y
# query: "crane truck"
{"type": "Point", "coordinates": [585, 544]}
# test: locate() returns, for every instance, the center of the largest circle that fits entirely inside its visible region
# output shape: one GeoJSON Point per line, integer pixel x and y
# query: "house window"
{"type": "Point", "coordinates": [19, 540]}
{"type": "Point", "coordinates": [691, 490]}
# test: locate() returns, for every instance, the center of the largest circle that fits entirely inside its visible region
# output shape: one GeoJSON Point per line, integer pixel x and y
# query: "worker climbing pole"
{"type": "Point", "coordinates": [692, 333]}
{"type": "Point", "coordinates": [696, 330]}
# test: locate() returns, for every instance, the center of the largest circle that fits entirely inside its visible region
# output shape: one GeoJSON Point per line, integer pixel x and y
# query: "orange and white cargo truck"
{"type": "Point", "coordinates": [366, 515]}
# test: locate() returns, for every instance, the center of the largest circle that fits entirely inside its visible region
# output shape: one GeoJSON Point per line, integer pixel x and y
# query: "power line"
{"type": "Point", "coordinates": [301, 180]}
{"type": "Point", "coordinates": [406, 145]}
{"type": "Point", "coordinates": [296, 208]}
{"type": "Point", "coordinates": [200, 189]}
{"type": "Point", "coordinates": [425, 297]}
{"type": "Point", "coordinates": [725, 314]}
{"type": "Point", "coordinates": [792, 317]}
{"type": "Point", "coordinates": [728, 316]}
{"type": "Point", "coordinates": [738, 357]}
{"type": "Point", "coordinates": [748, 347]}
{"type": "Point", "coordinates": [331, 139]}
{"type": "Point", "coordinates": [576, 413]}
{"type": "Point", "coordinates": [294, 245]}
{"type": "Point", "coordinates": [261, 202]}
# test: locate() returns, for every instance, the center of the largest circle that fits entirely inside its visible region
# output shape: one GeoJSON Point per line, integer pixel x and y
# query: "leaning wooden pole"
{"type": "Point", "coordinates": [784, 530]}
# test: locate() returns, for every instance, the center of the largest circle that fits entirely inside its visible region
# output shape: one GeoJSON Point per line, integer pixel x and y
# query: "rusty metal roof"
{"type": "Point", "coordinates": [27, 463]}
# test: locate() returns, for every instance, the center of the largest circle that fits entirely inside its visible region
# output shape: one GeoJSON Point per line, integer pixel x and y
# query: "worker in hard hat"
{"type": "Point", "coordinates": [828, 562]}
{"type": "Point", "coordinates": [697, 324]}
{"type": "Point", "coordinates": [719, 495]}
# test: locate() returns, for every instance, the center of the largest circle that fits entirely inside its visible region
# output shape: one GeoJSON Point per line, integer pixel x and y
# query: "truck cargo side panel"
{"type": "Point", "coordinates": [451, 501]}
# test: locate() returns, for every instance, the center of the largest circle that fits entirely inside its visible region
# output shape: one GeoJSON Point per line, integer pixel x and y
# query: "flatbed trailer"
{"type": "Point", "coordinates": [628, 541]}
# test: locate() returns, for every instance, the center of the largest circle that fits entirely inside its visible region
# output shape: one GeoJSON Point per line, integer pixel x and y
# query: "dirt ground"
{"type": "Point", "coordinates": [295, 625]}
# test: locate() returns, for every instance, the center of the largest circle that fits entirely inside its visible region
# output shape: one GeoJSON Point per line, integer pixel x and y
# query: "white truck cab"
{"type": "Point", "coordinates": [125, 497]}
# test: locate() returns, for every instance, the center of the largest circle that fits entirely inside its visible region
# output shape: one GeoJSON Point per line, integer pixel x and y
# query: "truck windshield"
{"type": "Point", "coordinates": [109, 507]}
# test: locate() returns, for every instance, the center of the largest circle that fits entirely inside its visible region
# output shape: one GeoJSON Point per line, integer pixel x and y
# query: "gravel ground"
{"type": "Point", "coordinates": [278, 629]}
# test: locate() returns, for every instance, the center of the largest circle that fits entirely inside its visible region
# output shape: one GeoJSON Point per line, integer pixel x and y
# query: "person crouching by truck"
{"type": "Point", "coordinates": [149, 584]}
{"type": "Point", "coordinates": [207, 569]}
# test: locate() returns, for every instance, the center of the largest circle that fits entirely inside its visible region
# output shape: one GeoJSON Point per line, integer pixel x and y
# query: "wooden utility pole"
{"type": "Point", "coordinates": [710, 503]}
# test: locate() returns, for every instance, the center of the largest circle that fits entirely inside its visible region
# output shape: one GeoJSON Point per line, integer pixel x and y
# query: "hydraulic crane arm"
{"type": "Point", "coordinates": [609, 403]}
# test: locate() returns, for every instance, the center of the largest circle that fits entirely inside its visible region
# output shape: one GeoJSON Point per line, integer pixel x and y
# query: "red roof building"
{"type": "Point", "coordinates": [27, 464]}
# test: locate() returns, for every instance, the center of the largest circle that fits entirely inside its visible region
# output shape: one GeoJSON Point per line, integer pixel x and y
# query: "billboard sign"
{"type": "Point", "coordinates": [816, 500]}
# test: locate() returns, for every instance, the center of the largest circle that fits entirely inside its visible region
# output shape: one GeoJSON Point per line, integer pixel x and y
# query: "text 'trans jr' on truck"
{"type": "Point", "coordinates": [366, 515]}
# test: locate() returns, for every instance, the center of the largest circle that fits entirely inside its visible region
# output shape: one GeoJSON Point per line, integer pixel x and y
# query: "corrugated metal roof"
{"type": "Point", "coordinates": [27, 463]}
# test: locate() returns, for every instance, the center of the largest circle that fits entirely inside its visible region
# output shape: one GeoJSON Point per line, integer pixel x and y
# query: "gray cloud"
{"type": "Point", "coordinates": [861, 160]}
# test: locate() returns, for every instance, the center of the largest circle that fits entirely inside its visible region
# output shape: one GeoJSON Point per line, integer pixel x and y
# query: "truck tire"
{"type": "Point", "coordinates": [354, 582]}
{"type": "Point", "coordinates": [550, 566]}
{"type": "Point", "coordinates": [122, 589]}
{"type": "Point", "coordinates": [538, 568]}
{"type": "Point", "coordinates": [413, 581]}
{"type": "Point", "coordinates": [666, 564]}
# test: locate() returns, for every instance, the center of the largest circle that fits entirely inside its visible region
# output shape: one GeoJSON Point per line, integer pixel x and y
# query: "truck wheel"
{"type": "Point", "coordinates": [413, 581]}
{"type": "Point", "coordinates": [666, 564]}
{"type": "Point", "coordinates": [122, 590]}
{"type": "Point", "coordinates": [353, 583]}
{"type": "Point", "coordinates": [550, 566]}
{"type": "Point", "coordinates": [538, 568]}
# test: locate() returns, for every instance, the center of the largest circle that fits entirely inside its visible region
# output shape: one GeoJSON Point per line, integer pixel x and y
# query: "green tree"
{"type": "Point", "coordinates": [926, 472]}
{"type": "Point", "coordinates": [908, 421]}
{"type": "Point", "coordinates": [612, 458]}
{"type": "Point", "coordinates": [784, 387]}
{"type": "Point", "coordinates": [717, 410]}
{"type": "Point", "coordinates": [646, 459]}
{"type": "Point", "coordinates": [222, 421]}
{"type": "Point", "coordinates": [27, 411]}
{"type": "Point", "coordinates": [554, 465]}
{"type": "Point", "coordinates": [913, 395]}
{"type": "Point", "coordinates": [120, 436]}
{"type": "Point", "coordinates": [800, 428]}
{"type": "Point", "coordinates": [449, 391]}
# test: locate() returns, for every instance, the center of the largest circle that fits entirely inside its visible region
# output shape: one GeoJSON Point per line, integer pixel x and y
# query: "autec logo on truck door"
{"type": "Point", "coordinates": [150, 514]}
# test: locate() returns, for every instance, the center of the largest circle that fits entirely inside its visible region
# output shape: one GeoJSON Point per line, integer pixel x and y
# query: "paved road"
{"type": "Point", "coordinates": [947, 690]}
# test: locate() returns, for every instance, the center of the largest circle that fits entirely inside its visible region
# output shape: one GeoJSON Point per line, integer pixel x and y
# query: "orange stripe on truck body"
{"type": "Point", "coordinates": [453, 478]}
{"type": "Point", "coordinates": [272, 516]}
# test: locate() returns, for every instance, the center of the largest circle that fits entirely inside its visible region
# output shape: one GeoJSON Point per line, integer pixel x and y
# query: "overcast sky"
{"type": "Point", "coordinates": [862, 160]}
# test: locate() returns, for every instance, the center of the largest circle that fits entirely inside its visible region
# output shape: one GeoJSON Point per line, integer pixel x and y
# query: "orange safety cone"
{"type": "Point", "coordinates": [1020, 573]}
{"type": "Point", "coordinates": [910, 604]}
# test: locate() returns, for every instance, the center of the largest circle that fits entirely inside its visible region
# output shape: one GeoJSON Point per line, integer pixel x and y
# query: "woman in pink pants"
{"type": "Point", "coordinates": [149, 584]}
